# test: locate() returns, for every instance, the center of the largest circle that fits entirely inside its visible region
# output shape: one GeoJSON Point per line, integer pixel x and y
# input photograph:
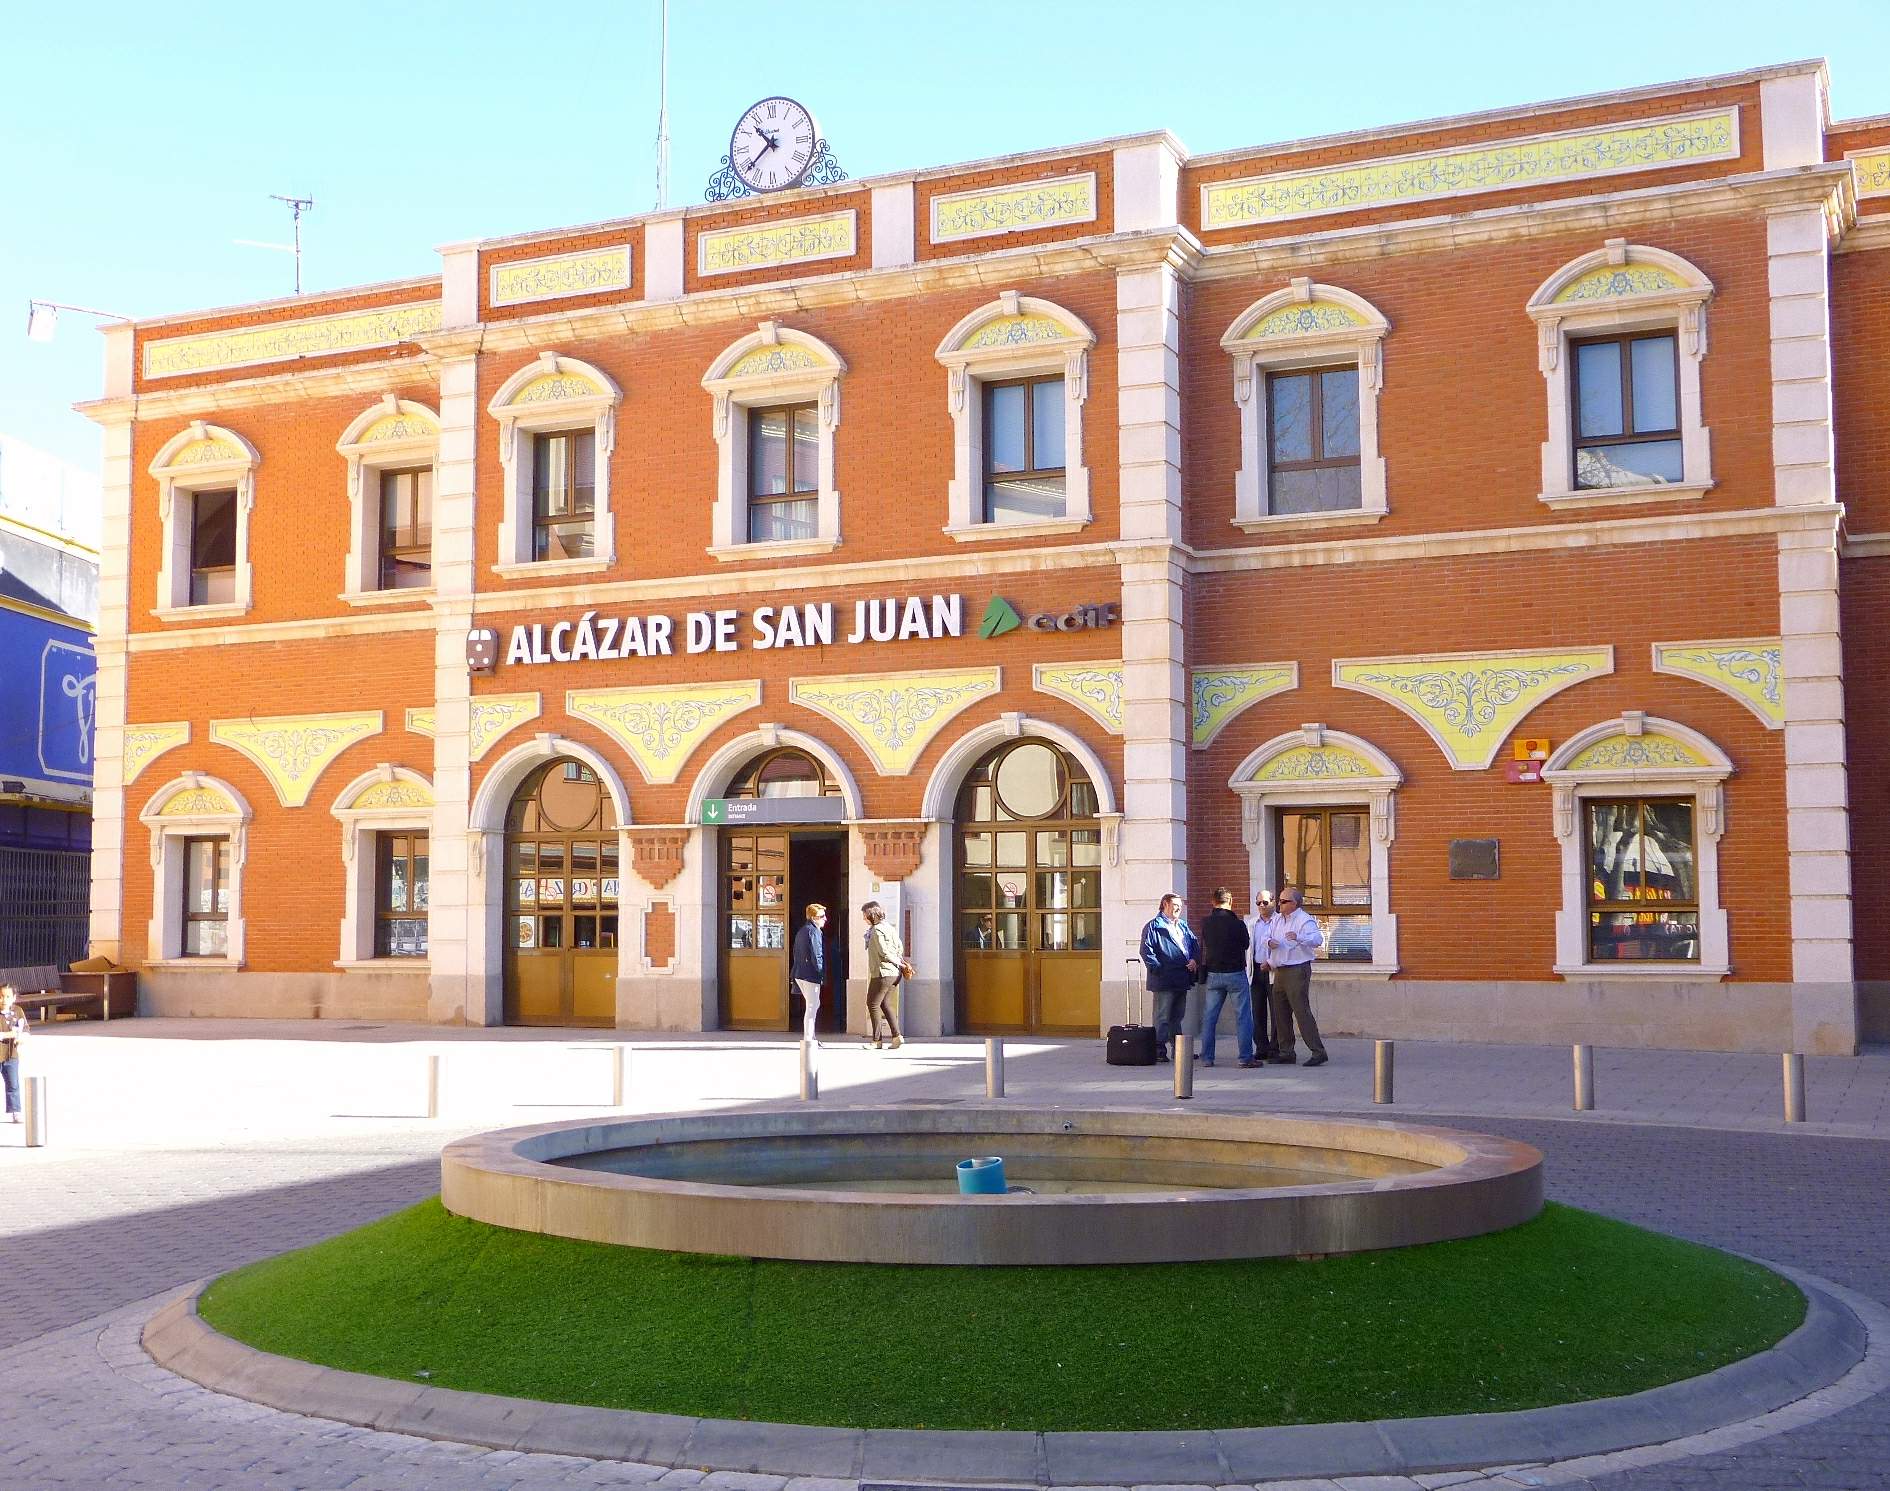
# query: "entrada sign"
{"type": "Point", "coordinates": [733, 812]}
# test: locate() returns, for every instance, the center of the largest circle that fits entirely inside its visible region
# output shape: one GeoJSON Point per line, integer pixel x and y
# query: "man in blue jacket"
{"type": "Point", "coordinates": [1172, 955]}
{"type": "Point", "coordinates": [809, 967]}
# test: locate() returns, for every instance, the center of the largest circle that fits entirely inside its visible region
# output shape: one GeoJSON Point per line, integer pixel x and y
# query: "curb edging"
{"type": "Point", "coordinates": [1828, 1344]}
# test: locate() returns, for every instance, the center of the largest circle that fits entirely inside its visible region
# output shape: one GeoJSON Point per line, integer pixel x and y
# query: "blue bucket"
{"type": "Point", "coordinates": [981, 1177]}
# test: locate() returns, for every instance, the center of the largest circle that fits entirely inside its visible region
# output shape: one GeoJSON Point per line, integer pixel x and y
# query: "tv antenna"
{"type": "Point", "coordinates": [297, 206]}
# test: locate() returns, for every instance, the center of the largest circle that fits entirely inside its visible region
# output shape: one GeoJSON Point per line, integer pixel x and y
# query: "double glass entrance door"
{"type": "Point", "coordinates": [562, 895]}
{"type": "Point", "coordinates": [1030, 928]}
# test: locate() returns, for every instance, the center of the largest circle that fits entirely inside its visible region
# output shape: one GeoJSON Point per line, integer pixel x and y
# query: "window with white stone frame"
{"type": "Point", "coordinates": [1639, 807]}
{"type": "Point", "coordinates": [559, 414]}
{"type": "Point", "coordinates": [1620, 339]}
{"type": "Point", "coordinates": [776, 396]}
{"type": "Point", "coordinates": [199, 829]}
{"type": "Point", "coordinates": [389, 807]}
{"type": "Point", "coordinates": [1313, 774]}
{"type": "Point", "coordinates": [1028, 476]}
{"type": "Point", "coordinates": [392, 448]}
{"type": "Point", "coordinates": [1308, 367]}
{"type": "Point", "coordinates": [206, 478]}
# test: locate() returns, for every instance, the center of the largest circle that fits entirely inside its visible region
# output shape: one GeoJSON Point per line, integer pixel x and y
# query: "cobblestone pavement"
{"type": "Point", "coordinates": [175, 1158]}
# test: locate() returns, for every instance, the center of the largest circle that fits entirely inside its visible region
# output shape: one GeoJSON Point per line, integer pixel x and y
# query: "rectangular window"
{"type": "Point", "coordinates": [1024, 476]}
{"type": "Point", "coordinates": [1643, 882]}
{"type": "Point", "coordinates": [1312, 441]}
{"type": "Point", "coordinates": [406, 528]}
{"type": "Point", "coordinates": [206, 898]}
{"type": "Point", "coordinates": [783, 473]}
{"type": "Point", "coordinates": [212, 548]}
{"type": "Point", "coordinates": [564, 495]}
{"type": "Point", "coordinates": [1626, 410]}
{"type": "Point", "coordinates": [400, 895]}
{"type": "Point", "coordinates": [1327, 853]}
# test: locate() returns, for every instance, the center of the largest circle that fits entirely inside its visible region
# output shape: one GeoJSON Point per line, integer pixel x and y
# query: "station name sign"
{"type": "Point", "coordinates": [596, 637]}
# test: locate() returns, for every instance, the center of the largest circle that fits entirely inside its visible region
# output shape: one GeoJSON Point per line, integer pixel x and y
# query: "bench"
{"type": "Point", "coordinates": [43, 991]}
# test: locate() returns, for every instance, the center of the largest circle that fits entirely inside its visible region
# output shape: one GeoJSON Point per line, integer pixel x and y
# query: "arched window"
{"type": "Point", "coordinates": [777, 405]}
{"type": "Point", "coordinates": [1307, 371]}
{"type": "Point", "coordinates": [391, 448]}
{"type": "Point", "coordinates": [206, 478]}
{"type": "Point", "coordinates": [199, 844]}
{"type": "Point", "coordinates": [1018, 376]}
{"type": "Point", "coordinates": [557, 427]}
{"type": "Point", "coordinates": [783, 773]}
{"type": "Point", "coordinates": [1621, 334]}
{"type": "Point", "coordinates": [386, 818]}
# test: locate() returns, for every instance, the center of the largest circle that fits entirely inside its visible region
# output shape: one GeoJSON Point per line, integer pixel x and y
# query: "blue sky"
{"type": "Point", "coordinates": [138, 140]}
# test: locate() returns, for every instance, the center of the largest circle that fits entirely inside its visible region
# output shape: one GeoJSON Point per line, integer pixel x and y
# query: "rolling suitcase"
{"type": "Point", "coordinates": [1130, 1045]}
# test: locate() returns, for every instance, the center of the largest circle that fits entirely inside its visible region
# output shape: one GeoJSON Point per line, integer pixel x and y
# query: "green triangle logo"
{"type": "Point", "coordinates": [999, 617]}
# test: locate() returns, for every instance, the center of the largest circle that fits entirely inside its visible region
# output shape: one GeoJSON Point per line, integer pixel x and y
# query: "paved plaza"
{"type": "Point", "coordinates": [180, 1149]}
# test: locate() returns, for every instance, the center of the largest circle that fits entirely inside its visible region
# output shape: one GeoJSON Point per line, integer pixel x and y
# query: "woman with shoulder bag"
{"type": "Point", "coordinates": [13, 1031]}
{"type": "Point", "coordinates": [886, 965]}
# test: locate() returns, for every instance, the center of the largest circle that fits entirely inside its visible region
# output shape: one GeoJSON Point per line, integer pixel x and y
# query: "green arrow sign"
{"type": "Point", "coordinates": [714, 810]}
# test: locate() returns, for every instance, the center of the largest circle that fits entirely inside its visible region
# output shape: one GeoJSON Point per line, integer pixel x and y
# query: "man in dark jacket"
{"type": "Point", "coordinates": [809, 968]}
{"type": "Point", "coordinates": [1224, 942]}
{"type": "Point", "coordinates": [1172, 955]}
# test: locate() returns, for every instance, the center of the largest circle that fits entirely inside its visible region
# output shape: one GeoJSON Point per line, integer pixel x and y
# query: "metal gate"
{"type": "Point", "coordinates": [45, 906]}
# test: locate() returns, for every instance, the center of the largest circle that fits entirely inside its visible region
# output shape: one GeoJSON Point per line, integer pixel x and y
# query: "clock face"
{"type": "Point", "coordinates": [773, 145]}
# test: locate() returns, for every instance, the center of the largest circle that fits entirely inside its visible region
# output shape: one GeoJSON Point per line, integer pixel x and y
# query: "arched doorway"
{"type": "Point", "coordinates": [782, 847]}
{"type": "Point", "coordinates": [1028, 919]}
{"type": "Point", "coordinates": [561, 887]}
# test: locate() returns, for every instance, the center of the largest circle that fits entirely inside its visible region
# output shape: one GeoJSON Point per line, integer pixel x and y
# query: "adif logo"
{"type": "Point", "coordinates": [999, 617]}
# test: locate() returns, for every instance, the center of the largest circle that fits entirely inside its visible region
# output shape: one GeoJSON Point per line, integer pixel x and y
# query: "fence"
{"type": "Point", "coordinates": [45, 898]}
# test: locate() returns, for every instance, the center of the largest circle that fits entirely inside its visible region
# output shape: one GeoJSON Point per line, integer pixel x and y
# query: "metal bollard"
{"type": "Point", "coordinates": [1383, 1053]}
{"type": "Point", "coordinates": [1794, 1088]}
{"type": "Point", "coordinates": [35, 1112]}
{"type": "Point", "coordinates": [1584, 1078]}
{"type": "Point", "coordinates": [994, 1068]}
{"type": "Point", "coordinates": [434, 1061]}
{"type": "Point", "coordinates": [1184, 1065]}
{"type": "Point", "coordinates": [810, 1078]}
{"type": "Point", "coordinates": [619, 1074]}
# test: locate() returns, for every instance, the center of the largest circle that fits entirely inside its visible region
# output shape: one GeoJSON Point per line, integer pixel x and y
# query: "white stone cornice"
{"type": "Point", "coordinates": [371, 380]}
{"type": "Point", "coordinates": [1831, 185]}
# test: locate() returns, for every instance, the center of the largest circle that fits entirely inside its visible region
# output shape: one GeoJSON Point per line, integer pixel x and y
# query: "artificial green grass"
{"type": "Point", "coordinates": [1568, 1306]}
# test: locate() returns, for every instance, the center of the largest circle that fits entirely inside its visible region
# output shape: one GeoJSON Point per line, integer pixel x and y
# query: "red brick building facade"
{"type": "Point", "coordinates": [1477, 522]}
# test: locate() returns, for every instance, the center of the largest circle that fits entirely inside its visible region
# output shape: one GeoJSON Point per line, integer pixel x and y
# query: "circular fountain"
{"type": "Point", "coordinates": [877, 1184]}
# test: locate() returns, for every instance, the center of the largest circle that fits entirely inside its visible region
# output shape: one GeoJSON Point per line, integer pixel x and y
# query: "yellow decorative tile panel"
{"type": "Point", "coordinates": [396, 794]}
{"type": "Point", "coordinates": [197, 802]}
{"type": "Point", "coordinates": [1014, 209]}
{"type": "Point", "coordinates": [1219, 694]}
{"type": "Point", "coordinates": [1751, 670]}
{"type": "Point", "coordinates": [661, 725]}
{"type": "Point", "coordinates": [783, 357]}
{"type": "Point", "coordinates": [495, 715]}
{"type": "Point", "coordinates": [799, 240]}
{"type": "Point", "coordinates": [1321, 763]}
{"type": "Point", "coordinates": [1611, 281]}
{"type": "Point", "coordinates": [555, 387]}
{"type": "Point", "coordinates": [1873, 171]}
{"type": "Point", "coordinates": [420, 722]}
{"type": "Point", "coordinates": [1470, 702]}
{"type": "Point", "coordinates": [1094, 688]}
{"type": "Point", "coordinates": [401, 426]}
{"type": "Point", "coordinates": [560, 275]}
{"type": "Point", "coordinates": [145, 743]}
{"type": "Point", "coordinates": [1017, 331]}
{"type": "Point", "coordinates": [207, 452]}
{"type": "Point", "coordinates": [895, 716]}
{"type": "Point", "coordinates": [318, 336]}
{"type": "Point", "coordinates": [294, 750]}
{"type": "Point", "coordinates": [1572, 155]}
{"type": "Point", "coordinates": [1314, 319]}
{"type": "Point", "coordinates": [1638, 753]}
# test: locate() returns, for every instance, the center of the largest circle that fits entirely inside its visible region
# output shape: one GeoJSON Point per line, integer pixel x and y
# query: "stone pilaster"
{"type": "Point", "coordinates": [114, 618]}
{"type": "Point", "coordinates": [1824, 998]}
{"type": "Point", "coordinates": [1153, 842]}
{"type": "Point", "coordinates": [466, 982]}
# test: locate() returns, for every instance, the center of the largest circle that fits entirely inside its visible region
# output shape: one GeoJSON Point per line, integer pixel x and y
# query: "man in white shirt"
{"type": "Point", "coordinates": [1260, 979]}
{"type": "Point", "coordinates": [1291, 938]}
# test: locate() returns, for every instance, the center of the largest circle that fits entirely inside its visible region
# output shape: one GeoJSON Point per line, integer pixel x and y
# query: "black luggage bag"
{"type": "Point", "coordinates": [1131, 1045]}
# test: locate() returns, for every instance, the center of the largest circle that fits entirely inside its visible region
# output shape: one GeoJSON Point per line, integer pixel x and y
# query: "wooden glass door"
{"type": "Point", "coordinates": [1029, 903]}
{"type": "Point", "coordinates": [756, 921]}
{"type": "Point", "coordinates": [561, 894]}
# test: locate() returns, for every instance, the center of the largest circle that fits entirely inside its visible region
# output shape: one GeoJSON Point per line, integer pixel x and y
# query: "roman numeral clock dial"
{"type": "Point", "coordinates": [772, 146]}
